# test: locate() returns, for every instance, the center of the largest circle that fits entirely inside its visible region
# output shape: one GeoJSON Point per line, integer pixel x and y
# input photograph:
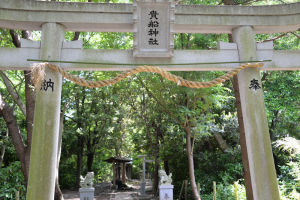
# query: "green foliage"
{"type": "Point", "coordinates": [289, 180]}
{"type": "Point", "coordinates": [273, 2]}
{"type": "Point", "coordinates": [12, 180]}
{"type": "Point", "coordinates": [289, 145]}
{"type": "Point", "coordinates": [5, 39]}
{"type": "Point", "coordinates": [227, 192]}
{"type": "Point", "coordinates": [67, 172]}
{"type": "Point", "coordinates": [281, 91]}
{"type": "Point", "coordinates": [198, 41]}
{"type": "Point", "coordinates": [288, 159]}
{"type": "Point", "coordinates": [103, 40]}
{"type": "Point", "coordinates": [144, 114]}
{"type": "Point", "coordinates": [200, 2]}
{"type": "Point", "coordinates": [287, 40]}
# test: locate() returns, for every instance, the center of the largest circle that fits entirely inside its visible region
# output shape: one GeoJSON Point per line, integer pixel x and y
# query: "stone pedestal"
{"type": "Point", "coordinates": [143, 188]}
{"type": "Point", "coordinates": [86, 193]}
{"type": "Point", "coordinates": [166, 192]}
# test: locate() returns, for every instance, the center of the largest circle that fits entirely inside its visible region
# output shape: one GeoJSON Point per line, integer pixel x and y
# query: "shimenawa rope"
{"type": "Point", "coordinates": [38, 73]}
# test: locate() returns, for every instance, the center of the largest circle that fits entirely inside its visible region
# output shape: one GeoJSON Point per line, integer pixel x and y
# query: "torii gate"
{"type": "Point", "coordinates": [54, 18]}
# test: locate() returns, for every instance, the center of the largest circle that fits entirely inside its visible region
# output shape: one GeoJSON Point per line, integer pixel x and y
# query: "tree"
{"type": "Point", "coordinates": [187, 103]}
{"type": "Point", "coordinates": [27, 109]}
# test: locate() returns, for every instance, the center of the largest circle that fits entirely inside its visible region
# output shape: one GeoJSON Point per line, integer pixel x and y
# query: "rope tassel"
{"type": "Point", "coordinates": [38, 74]}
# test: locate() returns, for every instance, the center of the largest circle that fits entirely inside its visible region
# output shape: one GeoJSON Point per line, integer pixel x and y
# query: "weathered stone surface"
{"type": "Point", "coordinates": [166, 192]}
{"type": "Point", "coordinates": [87, 181]}
{"type": "Point", "coordinates": [16, 59]}
{"type": "Point", "coordinates": [30, 44]}
{"type": "Point", "coordinates": [164, 179]}
{"type": "Point", "coordinates": [102, 187]}
{"type": "Point", "coordinates": [86, 193]}
{"type": "Point", "coordinates": [77, 44]}
{"type": "Point", "coordinates": [153, 34]}
{"type": "Point", "coordinates": [43, 155]}
{"type": "Point", "coordinates": [102, 17]}
{"type": "Point", "coordinates": [254, 124]}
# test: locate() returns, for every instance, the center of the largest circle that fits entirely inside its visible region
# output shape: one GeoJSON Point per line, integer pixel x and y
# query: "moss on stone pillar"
{"type": "Point", "coordinates": [254, 121]}
{"type": "Point", "coordinates": [43, 157]}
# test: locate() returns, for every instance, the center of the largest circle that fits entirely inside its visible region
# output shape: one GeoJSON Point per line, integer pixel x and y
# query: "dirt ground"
{"type": "Point", "coordinates": [115, 194]}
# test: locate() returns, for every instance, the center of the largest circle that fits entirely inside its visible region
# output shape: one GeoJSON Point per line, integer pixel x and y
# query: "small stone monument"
{"type": "Point", "coordinates": [165, 186]}
{"type": "Point", "coordinates": [86, 187]}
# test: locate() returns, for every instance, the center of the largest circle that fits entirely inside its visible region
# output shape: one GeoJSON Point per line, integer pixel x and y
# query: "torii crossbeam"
{"type": "Point", "coordinates": [54, 18]}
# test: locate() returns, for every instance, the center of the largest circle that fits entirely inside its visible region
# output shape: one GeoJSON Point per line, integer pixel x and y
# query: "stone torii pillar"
{"type": "Point", "coordinates": [43, 157]}
{"type": "Point", "coordinates": [143, 183]}
{"type": "Point", "coordinates": [261, 183]}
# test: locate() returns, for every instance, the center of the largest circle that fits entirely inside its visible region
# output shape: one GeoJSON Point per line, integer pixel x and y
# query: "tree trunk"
{"type": "Point", "coordinates": [3, 150]}
{"type": "Point", "coordinates": [90, 153]}
{"type": "Point", "coordinates": [182, 40]}
{"type": "Point", "coordinates": [117, 151]}
{"type": "Point", "coordinates": [58, 194]}
{"type": "Point", "coordinates": [156, 167]}
{"type": "Point", "coordinates": [30, 104]}
{"type": "Point", "coordinates": [221, 142]}
{"type": "Point", "coordinates": [15, 38]}
{"type": "Point", "coordinates": [156, 177]}
{"type": "Point", "coordinates": [273, 124]}
{"type": "Point", "coordinates": [76, 36]}
{"type": "Point", "coordinates": [188, 44]}
{"type": "Point", "coordinates": [166, 167]}
{"type": "Point", "coordinates": [22, 150]}
{"type": "Point", "coordinates": [90, 159]}
{"type": "Point", "coordinates": [79, 159]}
{"type": "Point", "coordinates": [2, 153]}
{"type": "Point", "coordinates": [187, 130]}
{"type": "Point", "coordinates": [245, 160]}
{"type": "Point", "coordinates": [80, 139]}
{"type": "Point", "coordinates": [11, 90]}
{"type": "Point", "coordinates": [11, 122]}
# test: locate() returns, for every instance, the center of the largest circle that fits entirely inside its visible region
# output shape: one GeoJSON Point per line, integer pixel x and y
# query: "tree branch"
{"type": "Point", "coordinates": [26, 34]}
{"type": "Point", "coordinates": [162, 105]}
{"type": "Point", "coordinates": [221, 142]}
{"type": "Point", "coordinates": [264, 76]}
{"type": "Point", "coordinates": [13, 128]}
{"type": "Point", "coordinates": [15, 38]}
{"type": "Point", "coordinates": [282, 1]}
{"type": "Point", "coordinates": [76, 36]}
{"type": "Point", "coordinates": [295, 35]}
{"type": "Point", "coordinates": [3, 150]}
{"type": "Point", "coordinates": [10, 88]}
{"type": "Point", "coordinates": [30, 103]}
{"type": "Point", "coordinates": [275, 38]}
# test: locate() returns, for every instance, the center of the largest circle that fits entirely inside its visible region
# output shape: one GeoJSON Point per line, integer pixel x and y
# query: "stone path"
{"type": "Point", "coordinates": [125, 196]}
{"type": "Point", "coordinates": [119, 195]}
{"type": "Point", "coordinates": [114, 194]}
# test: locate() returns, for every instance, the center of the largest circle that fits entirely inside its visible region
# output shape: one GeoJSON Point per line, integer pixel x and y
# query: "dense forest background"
{"type": "Point", "coordinates": [148, 115]}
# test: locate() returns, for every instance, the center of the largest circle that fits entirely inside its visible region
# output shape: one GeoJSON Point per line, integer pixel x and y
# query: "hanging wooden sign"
{"type": "Point", "coordinates": [153, 28]}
